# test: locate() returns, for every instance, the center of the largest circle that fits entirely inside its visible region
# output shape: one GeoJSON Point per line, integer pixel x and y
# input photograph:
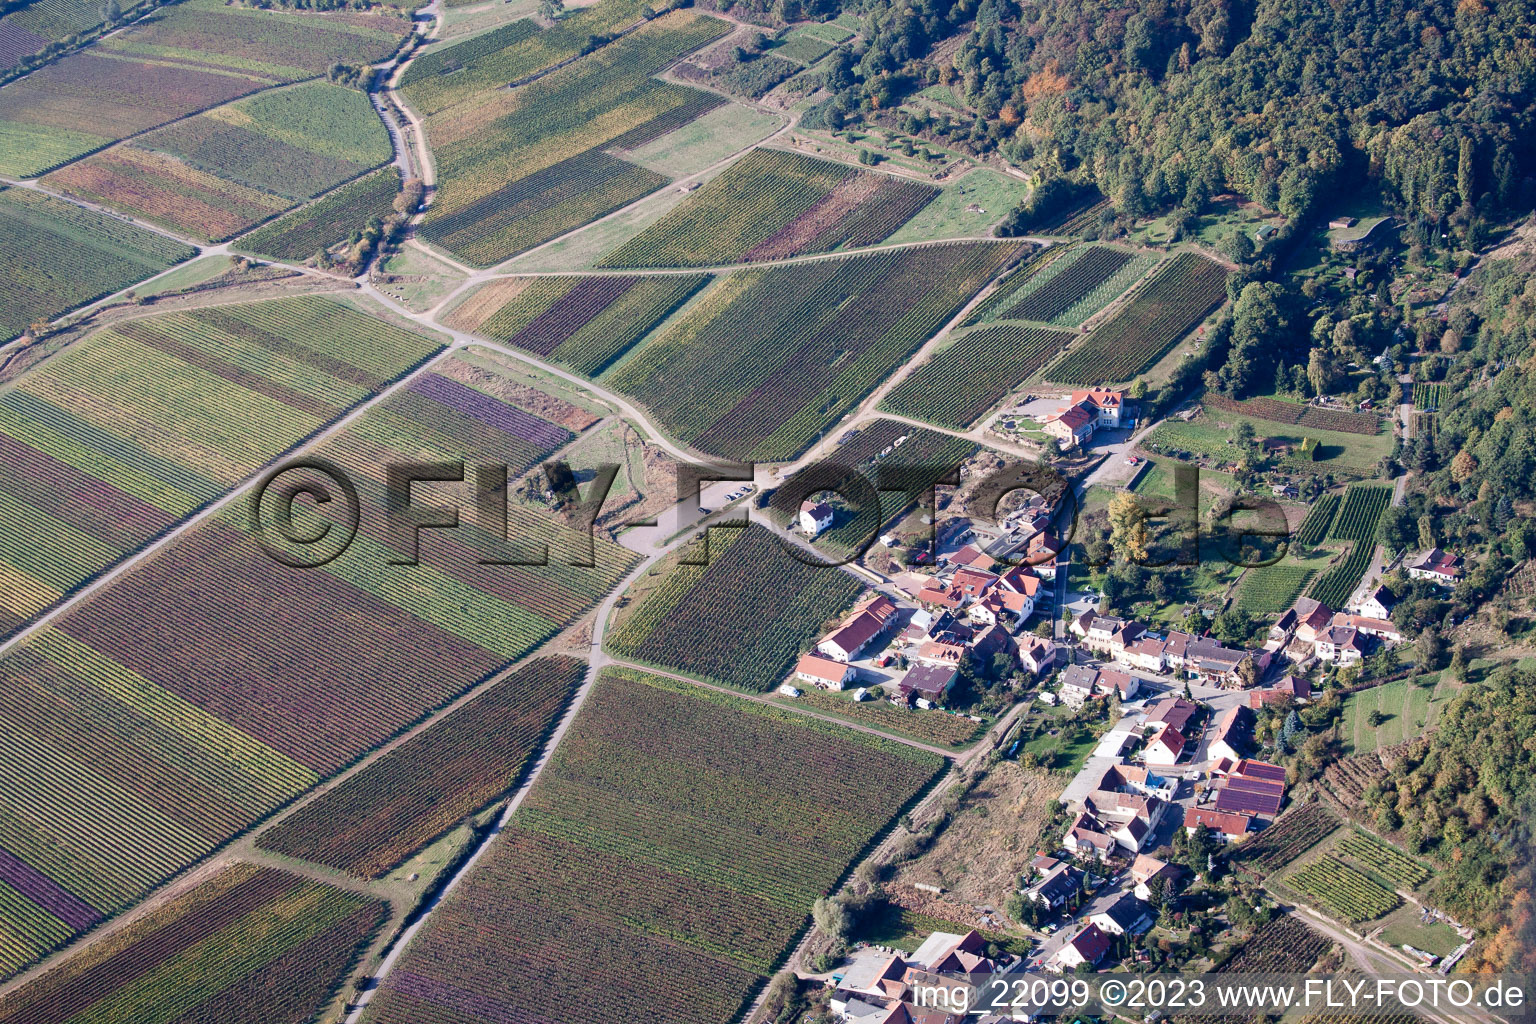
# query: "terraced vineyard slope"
{"type": "Point", "coordinates": [679, 831]}
{"type": "Point", "coordinates": [771, 204]}
{"type": "Point", "coordinates": [118, 438]}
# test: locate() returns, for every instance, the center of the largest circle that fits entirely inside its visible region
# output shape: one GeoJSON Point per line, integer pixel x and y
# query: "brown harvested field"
{"type": "Point", "coordinates": [543, 405]}
{"type": "Point", "coordinates": [112, 98]}
{"type": "Point", "coordinates": [992, 837]}
{"type": "Point", "coordinates": [163, 190]}
{"type": "Point", "coordinates": [481, 305]}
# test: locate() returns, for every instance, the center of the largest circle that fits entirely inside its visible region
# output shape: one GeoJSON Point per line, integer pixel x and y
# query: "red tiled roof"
{"type": "Point", "coordinates": [856, 632]}
{"type": "Point", "coordinates": [1075, 417]}
{"type": "Point", "coordinates": [821, 668]}
{"type": "Point", "coordinates": [1091, 943]}
{"type": "Point", "coordinates": [1227, 824]}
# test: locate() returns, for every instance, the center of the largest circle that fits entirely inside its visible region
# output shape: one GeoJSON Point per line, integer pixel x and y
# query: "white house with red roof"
{"type": "Point", "coordinates": [824, 672]}
{"type": "Point", "coordinates": [1436, 566]}
{"type": "Point", "coordinates": [1227, 826]}
{"type": "Point", "coordinates": [1086, 947]}
{"type": "Point", "coordinates": [1108, 405]}
{"type": "Point", "coordinates": [1074, 425]}
{"type": "Point", "coordinates": [1165, 746]}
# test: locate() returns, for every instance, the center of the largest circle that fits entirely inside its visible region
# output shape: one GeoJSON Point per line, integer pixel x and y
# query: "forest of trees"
{"type": "Point", "coordinates": [1164, 103]}
{"type": "Point", "coordinates": [1463, 795]}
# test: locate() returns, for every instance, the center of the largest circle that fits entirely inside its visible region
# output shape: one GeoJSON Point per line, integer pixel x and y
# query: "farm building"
{"type": "Point", "coordinates": [824, 672]}
{"type": "Point", "coordinates": [1229, 826]}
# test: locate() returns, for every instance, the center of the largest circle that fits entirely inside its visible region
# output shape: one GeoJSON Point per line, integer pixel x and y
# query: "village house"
{"type": "Point", "coordinates": [1290, 688]}
{"type": "Point", "coordinates": [825, 672]}
{"type": "Point", "coordinates": [1165, 746]}
{"type": "Point", "coordinates": [1108, 406]}
{"type": "Point", "coordinates": [815, 516]}
{"type": "Point", "coordinates": [1209, 661]}
{"type": "Point", "coordinates": [1128, 818]}
{"type": "Point", "coordinates": [948, 953]}
{"type": "Point", "coordinates": [1041, 553]}
{"type": "Point", "coordinates": [1378, 604]}
{"type": "Point", "coordinates": [1146, 868]}
{"type": "Point", "coordinates": [1225, 826]}
{"type": "Point", "coordinates": [1125, 685]}
{"type": "Point", "coordinates": [1072, 426]}
{"type": "Point", "coordinates": [1087, 840]}
{"type": "Point", "coordinates": [1341, 645]}
{"type": "Point", "coordinates": [1305, 621]}
{"type": "Point", "coordinates": [945, 649]}
{"type": "Point", "coordinates": [972, 557]}
{"type": "Point", "coordinates": [1176, 711]}
{"type": "Point", "coordinates": [1381, 629]}
{"type": "Point", "coordinates": [1038, 655]}
{"type": "Point", "coordinates": [1135, 778]}
{"type": "Point", "coordinates": [1126, 916]}
{"type": "Point", "coordinates": [928, 684]}
{"type": "Point", "coordinates": [856, 634]}
{"type": "Point", "coordinates": [1229, 736]}
{"type": "Point", "coordinates": [1060, 887]}
{"type": "Point", "coordinates": [1147, 652]}
{"type": "Point", "coordinates": [991, 642]}
{"type": "Point", "coordinates": [1078, 684]}
{"type": "Point", "coordinates": [1250, 795]}
{"type": "Point", "coordinates": [1086, 947]}
{"type": "Point", "coordinates": [1439, 567]}
{"type": "Point", "coordinates": [1106, 634]}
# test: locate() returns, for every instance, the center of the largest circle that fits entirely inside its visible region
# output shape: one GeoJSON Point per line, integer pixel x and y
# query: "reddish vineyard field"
{"type": "Point", "coordinates": [404, 800]}
{"type": "Point", "coordinates": [1183, 292]}
{"type": "Point", "coordinates": [1292, 413]}
{"type": "Point", "coordinates": [772, 204]}
{"type": "Point", "coordinates": [743, 619]}
{"type": "Point", "coordinates": [582, 322]}
{"type": "Point", "coordinates": [966, 379]}
{"type": "Point", "coordinates": [678, 831]}
{"type": "Point", "coordinates": [249, 946]}
{"type": "Point", "coordinates": [211, 684]}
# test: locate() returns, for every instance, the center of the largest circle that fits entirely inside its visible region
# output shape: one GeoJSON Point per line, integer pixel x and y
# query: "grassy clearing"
{"type": "Point", "coordinates": [706, 141]}
{"type": "Point", "coordinates": [1407, 711]}
{"type": "Point", "coordinates": [947, 216]}
{"type": "Point", "coordinates": [1404, 927]}
{"type": "Point", "coordinates": [187, 275]}
{"type": "Point", "coordinates": [1354, 454]}
{"type": "Point", "coordinates": [430, 279]}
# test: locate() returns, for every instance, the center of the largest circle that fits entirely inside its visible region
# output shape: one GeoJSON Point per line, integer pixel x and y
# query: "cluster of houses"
{"type": "Point", "coordinates": [886, 989]}
{"type": "Point", "coordinates": [1086, 413]}
{"type": "Point", "coordinates": [1310, 631]}
{"type": "Point", "coordinates": [1059, 886]}
{"type": "Point", "coordinates": [1203, 659]}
